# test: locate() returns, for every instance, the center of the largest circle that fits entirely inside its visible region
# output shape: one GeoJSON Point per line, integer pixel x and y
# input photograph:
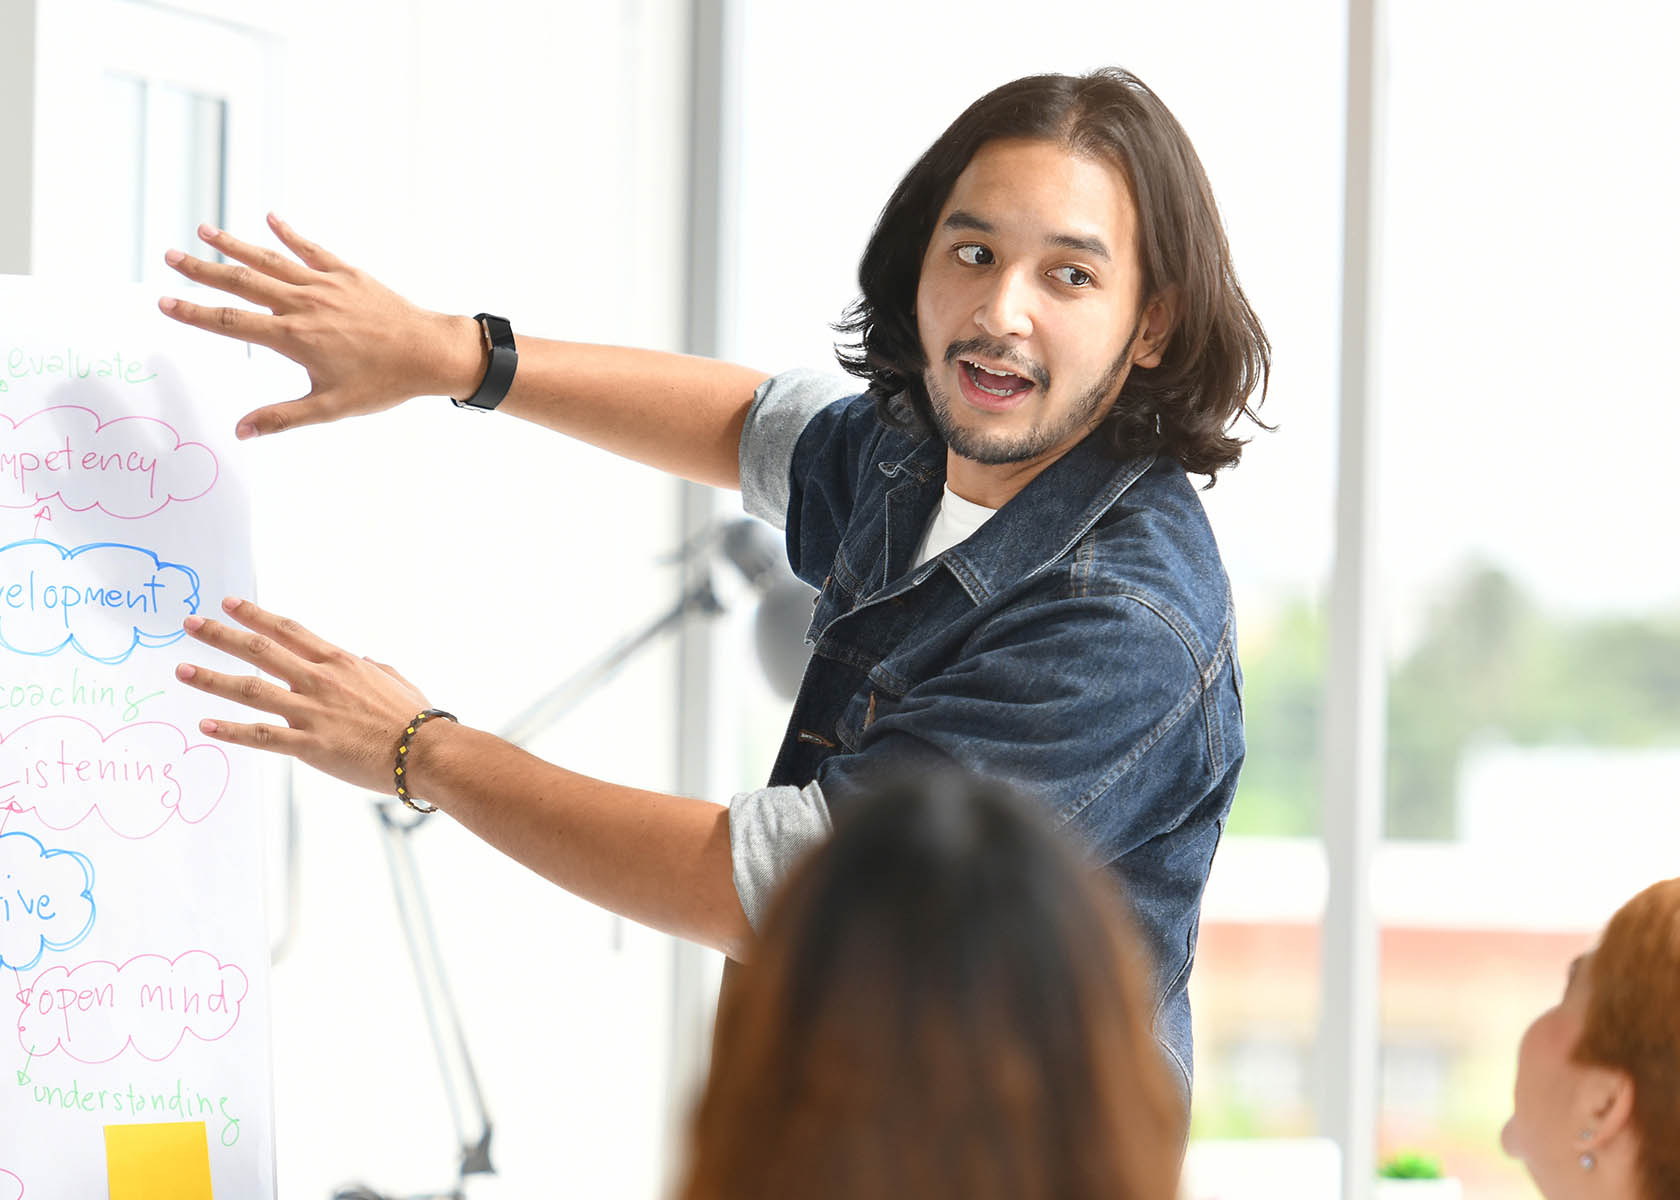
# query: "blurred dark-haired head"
{"type": "Point", "coordinates": [945, 1003]}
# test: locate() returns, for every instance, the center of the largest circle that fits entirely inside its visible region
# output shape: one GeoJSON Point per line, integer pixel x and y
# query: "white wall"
{"type": "Point", "coordinates": [526, 161]}
{"type": "Point", "coordinates": [530, 161]}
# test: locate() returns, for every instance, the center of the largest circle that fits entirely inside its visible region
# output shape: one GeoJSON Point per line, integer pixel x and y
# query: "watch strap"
{"type": "Point", "coordinates": [504, 359]}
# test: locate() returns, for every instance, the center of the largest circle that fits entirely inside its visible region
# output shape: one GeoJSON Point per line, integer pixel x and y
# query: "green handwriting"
{"type": "Point", "coordinates": [183, 1103]}
{"type": "Point", "coordinates": [78, 691]}
{"type": "Point", "coordinates": [76, 364]}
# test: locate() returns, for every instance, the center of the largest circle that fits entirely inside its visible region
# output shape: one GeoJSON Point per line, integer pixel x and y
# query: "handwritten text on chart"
{"type": "Point", "coordinates": [102, 599]}
{"type": "Point", "coordinates": [79, 689]}
{"type": "Point", "coordinates": [67, 362]}
{"type": "Point", "coordinates": [181, 1104]}
{"type": "Point", "coordinates": [46, 900]}
{"type": "Point", "coordinates": [97, 1010]}
{"type": "Point", "coordinates": [11, 1187]}
{"type": "Point", "coordinates": [129, 467]}
{"type": "Point", "coordinates": [64, 770]}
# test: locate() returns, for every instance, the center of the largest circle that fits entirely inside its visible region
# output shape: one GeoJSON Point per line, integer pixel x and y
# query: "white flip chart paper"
{"type": "Point", "coordinates": [133, 947]}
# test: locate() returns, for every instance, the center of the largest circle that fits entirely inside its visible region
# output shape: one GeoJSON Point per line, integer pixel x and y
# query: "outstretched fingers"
{"type": "Point", "coordinates": [245, 282]}
{"type": "Point", "coordinates": [312, 254]}
{"type": "Point", "coordinates": [253, 691]}
{"type": "Point", "coordinates": [257, 275]}
{"type": "Point", "coordinates": [258, 328]}
{"type": "Point", "coordinates": [278, 738]}
{"type": "Point", "coordinates": [283, 630]}
{"type": "Point", "coordinates": [260, 650]}
{"type": "Point", "coordinates": [339, 714]}
{"type": "Point", "coordinates": [259, 258]}
{"type": "Point", "coordinates": [278, 646]}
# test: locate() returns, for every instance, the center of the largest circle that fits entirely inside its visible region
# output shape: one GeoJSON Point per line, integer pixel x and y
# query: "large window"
{"type": "Point", "coordinates": [1534, 608]}
{"type": "Point", "coordinates": [1531, 647]}
{"type": "Point", "coordinates": [170, 117]}
{"type": "Point", "coordinates": [167, 162]}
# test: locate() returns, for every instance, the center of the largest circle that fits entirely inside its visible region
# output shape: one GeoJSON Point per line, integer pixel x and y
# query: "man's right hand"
{"type": "Point", "coordinates": [365, 348]}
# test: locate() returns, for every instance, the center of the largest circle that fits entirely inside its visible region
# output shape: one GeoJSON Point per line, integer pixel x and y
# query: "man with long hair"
{"type": "Point", "coordinates": [1016, 574]}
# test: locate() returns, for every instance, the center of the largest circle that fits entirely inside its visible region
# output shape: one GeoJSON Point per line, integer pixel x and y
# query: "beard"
{"type": "Point", "coordinates": [1053, 428]}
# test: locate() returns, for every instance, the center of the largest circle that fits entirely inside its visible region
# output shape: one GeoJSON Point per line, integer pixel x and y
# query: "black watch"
{"type": "Point", "coordinates": [504, 357]}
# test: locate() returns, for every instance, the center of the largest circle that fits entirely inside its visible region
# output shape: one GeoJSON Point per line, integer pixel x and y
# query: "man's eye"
{"type": "Point", "coordinates": [974, 256]}
{"type": "Point", "coordinates": [1072, 276]}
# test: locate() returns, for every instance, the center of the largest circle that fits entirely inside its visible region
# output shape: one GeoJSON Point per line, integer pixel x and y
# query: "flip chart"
{"type": "Point", "coordinates": [133, 946]}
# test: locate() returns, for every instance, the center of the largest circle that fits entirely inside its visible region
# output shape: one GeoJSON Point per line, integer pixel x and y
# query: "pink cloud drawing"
{"type": "Point", "coordinates": [129, 467]}
{"type": "Point", "coordinates": [95, 1011]}
{"type": "Point", "coordinates": [63, 770]}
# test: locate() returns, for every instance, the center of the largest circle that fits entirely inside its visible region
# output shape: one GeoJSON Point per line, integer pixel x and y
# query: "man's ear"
{"type": "Point", "coordinates": [1604, 1103]}
{"type": "Point", "coordinates": [1155, 328]}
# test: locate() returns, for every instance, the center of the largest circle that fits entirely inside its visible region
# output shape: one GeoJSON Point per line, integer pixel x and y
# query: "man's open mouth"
{"type": "Point", "coordinates": [994, 383]}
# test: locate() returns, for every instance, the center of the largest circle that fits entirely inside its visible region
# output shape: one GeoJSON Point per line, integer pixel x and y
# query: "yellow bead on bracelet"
{"type": "Point", "coordinates": [402, 754]}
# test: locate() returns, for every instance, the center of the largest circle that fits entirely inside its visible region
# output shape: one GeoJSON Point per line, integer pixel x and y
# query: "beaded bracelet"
{"type": "Point", "coordinates": [402, 755]}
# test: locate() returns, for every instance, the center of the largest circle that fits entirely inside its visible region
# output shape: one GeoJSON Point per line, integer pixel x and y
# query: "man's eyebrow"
{"type": "Point", "coordinates": [963, 219]}
{"type": "Point", "coordinates": [1090, 245]}
{"type": "Point", "coordinates": [960, 218]}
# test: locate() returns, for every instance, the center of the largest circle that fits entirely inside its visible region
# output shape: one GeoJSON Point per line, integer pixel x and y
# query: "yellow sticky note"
{"type": "Point", "coordinates": [166, 1161]}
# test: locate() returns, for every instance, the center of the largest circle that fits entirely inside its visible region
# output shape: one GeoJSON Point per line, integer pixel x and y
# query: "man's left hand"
{"type": "Point", "coordinates": [341, 714]}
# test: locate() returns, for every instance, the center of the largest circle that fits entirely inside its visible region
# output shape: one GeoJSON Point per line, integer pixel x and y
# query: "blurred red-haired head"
{"type": "Point", "coordinates": [1598, 1076]}
{"type": "Point", "coordinates": [947, 1005]}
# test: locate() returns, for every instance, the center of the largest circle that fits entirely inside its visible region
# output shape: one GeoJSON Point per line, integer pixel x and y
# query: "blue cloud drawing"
{"type": "Point", "coordinates": [46, 900]}
{"type": "Point", "coordinates": [102, 600]}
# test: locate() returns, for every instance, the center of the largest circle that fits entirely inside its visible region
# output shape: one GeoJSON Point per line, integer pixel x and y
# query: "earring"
{"type": "Point", "coordinates": [1588, 1162]}
{"type": "Point", "coordinates": [1585, 1135]}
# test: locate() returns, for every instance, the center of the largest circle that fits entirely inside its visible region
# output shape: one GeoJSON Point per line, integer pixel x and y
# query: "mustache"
{"type": "Point", "coordinates": [992, 350]}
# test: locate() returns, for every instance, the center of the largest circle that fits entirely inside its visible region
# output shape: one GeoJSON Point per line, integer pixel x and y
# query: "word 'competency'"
{"type": "Point", "coordinates": [22, 465]}
{"type": "Point", "coordinates": [129, 467]}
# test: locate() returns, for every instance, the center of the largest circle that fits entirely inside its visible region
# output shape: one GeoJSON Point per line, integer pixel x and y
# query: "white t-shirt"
{"type": "Point", "coordinates": [953, 520]}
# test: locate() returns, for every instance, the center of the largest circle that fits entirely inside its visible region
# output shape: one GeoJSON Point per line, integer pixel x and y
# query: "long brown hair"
{"type": "Point", "coordinates": [945, 1005]}
{"type": "Point", "coordinates": [1633, 1024]}
{"type": "Point", "coordinates": [1217, 354]}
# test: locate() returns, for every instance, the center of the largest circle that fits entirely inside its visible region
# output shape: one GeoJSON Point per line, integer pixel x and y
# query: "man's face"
{"type": "Point", "coordinates": [1028, 303]}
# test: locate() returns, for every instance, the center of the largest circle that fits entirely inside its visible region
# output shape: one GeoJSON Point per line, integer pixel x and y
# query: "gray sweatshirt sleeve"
{"type": "Point", "coordinates": [770, 828]}
{"type": "Point", "coordinates": [782, 406]}
{"type": "Point", "coordinates": [768, 831]}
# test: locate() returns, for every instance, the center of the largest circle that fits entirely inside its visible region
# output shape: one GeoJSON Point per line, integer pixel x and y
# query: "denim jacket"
{"type": "Point", "coordinates": [1080, 644]}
